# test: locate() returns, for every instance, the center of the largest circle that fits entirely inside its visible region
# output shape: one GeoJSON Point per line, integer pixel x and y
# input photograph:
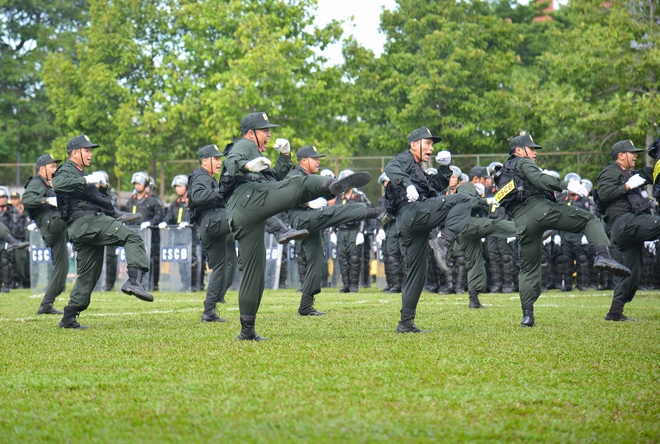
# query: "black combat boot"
{"type": "Point", "coordinates": [604, 261]}
{"type": "Point", "coordinates": [528, 316]}
{"type": "Point", "coordinates": [284, 266]}
{"type": "Point", "coordinates": [307, 307]}
{"type": "Point", "coordinates": [69, 319]}
{"type": "Point", "coordinates": [354, 274]}
{"type": "Point", "coordinates": [46, 306]}
{"type": "Point", "coordinates": [14, 244]}
{"type": "Point", "coordinates": [407, 322]}
{"type": "Point", "coordinates": [461, 275]}
{"type": "Point", "coordinates": [133, 285]}
{"type": "Point", "coordinates": [616, 312]}
{"type": "Point", "coordinates": [474, 300]}
{"type": "Point", "coordinates": [247, 330]}
{"type": "Point", "coordinates": [284, 233]}
{"type": "Point", "coordinates": [441, 246]}
{"type": "Point", "coordinates": [338, 186]}
{"type": "Point", "coordinates": [209, 314]}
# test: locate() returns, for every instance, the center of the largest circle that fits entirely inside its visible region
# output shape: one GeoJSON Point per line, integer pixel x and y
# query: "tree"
{"type": "Point", "coordinates": [29, 31]}
{"type": "Point", "coordinates": [447, 65]}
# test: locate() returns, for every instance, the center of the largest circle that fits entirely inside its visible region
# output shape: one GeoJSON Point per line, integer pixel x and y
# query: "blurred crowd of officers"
{"type": "Point", "coordinates": [436, 229]}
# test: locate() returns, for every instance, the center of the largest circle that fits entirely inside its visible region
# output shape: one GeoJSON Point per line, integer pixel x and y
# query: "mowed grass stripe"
{"type": "Point", "coordinates": [154, 373]}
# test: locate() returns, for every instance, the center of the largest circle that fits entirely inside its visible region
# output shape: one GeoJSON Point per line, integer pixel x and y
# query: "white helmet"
{"type": "Point", "coordinates": [431, 171]}
{"type": "Point", "coordinates": [491, 167]}
{"type": "Point", "coordinates": [455, 171]}
{"type": "Point", "coordinates": [383, 178]}
{"type": "Point", "coordinates": [140, 177]}
{"type": "Point", "coordinates": [464, 178]}
{"type": "Point", "coordinates": [589, 185]}
{"type": "Point", "coordinates": [180, 180]}
{"type": "Point", "coordinates": [572, 177]}
{"type": "Point", "coordinates": [4, 192]}
{"type": "Point", "coordinates": [345, 173]}
{"type": "Point", "coordinates": [327, 173]}
{"type": "Point", "coordinates": [553, 173]}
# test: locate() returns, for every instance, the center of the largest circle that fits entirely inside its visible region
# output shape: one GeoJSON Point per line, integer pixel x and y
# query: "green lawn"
{"type": "Point", "coordinates": [153, 373]}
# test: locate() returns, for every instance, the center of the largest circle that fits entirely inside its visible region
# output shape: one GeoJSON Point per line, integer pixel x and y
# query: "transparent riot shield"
{"type": "Point", "coordinates": [273, 261]}
{"type": "Point", "coordinates": [41, 264]}
{"type": "Point", "coordinates": [176, 258]}
{"type": "Point", "coordinates": [121, 255]}
{"type": "Point", "coordinates": [379, 265]}
{"type": "Point", "coordinates": [332, 258]}
{"type": "Point", "coordinates": [292, 275]}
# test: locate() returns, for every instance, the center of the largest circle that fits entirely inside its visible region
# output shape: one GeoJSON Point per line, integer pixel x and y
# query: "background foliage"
{"type": "Point", "coordinates": [154, 80]}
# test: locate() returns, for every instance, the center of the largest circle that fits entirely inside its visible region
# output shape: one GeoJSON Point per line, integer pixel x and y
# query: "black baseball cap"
{"type": "Point", "coordinates": [522, 142]}
{"type": "Point", "coordinates": [624, 146]}
{"type": "Point", "coordinates": [209, 151]}
{"type": "Point", "coordinates": [45, 160]}
{"type": "Point", "coordinates": [15, 195]}
{"type": "Point", "coordinates": [479, 171]}
{"type": "Point", "coordinates": [81, 141]}
{"type": "Point", "coordinates": [422, 133]}
{"type": "Point", "coordinates": [308, 151]}
{"type": "Point", "coordinates": [255, 121]}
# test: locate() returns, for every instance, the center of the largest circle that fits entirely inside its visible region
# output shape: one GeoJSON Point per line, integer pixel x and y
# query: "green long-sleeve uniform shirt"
{"type": "Point", "coordinates": [53, 230]}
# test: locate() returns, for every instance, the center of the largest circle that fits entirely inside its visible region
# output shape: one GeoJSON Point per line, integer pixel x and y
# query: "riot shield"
{"type": "Point", "coordinates": [273, 258]}
{"type": "Point", "coordinates": [176, 258]}
{"type": "Point", "coordinates": [332, 258]}
{"type": "Point", "coordinates": [41, 264]}
{"type": "Point", "coordinates": [121, 254]}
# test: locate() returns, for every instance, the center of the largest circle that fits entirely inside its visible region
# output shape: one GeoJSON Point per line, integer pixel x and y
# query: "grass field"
{"type": "Point", "coordinates": [153, 373]}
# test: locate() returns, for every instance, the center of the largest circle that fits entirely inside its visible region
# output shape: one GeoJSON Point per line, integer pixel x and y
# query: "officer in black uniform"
{"type": "Point", "coordinates": [41, 203]}
{"type": "Point", "coordinates": [177, 214]}
{"type": "Point", "coordinates": [93, 223]}
{"type": "Point", "coordinates": [315, 216]}
{"type": "Point", "coordinates": [256, 192]}
{"type": "Point", "coordinates": [629, 217]}
{"type": "Point", "coordinates": [207, 211]}
{"type": "Point", "coordinates": [111, 257]}
{"type": "Point", "coordinates": [526, 192]}
{"type": "Point", "coordinates": [20, 258]}
{"type": "Point", "coordinates": [150, 207]}
{"type": "Point", "coordinates": [414, 198]}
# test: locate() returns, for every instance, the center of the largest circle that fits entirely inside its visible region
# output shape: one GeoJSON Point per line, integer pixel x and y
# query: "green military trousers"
{"type": "Point", "coordinates": [55, 236]}
{"type": "Point", "coordinates": [629, 231]}
{"type": "Point", "coordinates": [249, 206]}
{"type": "Point", "coordinates": [315, 221]}
{"type": "Point", "coordinates": [414, 221]}
{"type": "Point", "coordinates": [213, 232]}
{"type": "Point", "coordinates": [469, 241]}
{"type": "Point", "coordinates": [89, 235]}
{"type": "Point", "coordinates": [532, 219]}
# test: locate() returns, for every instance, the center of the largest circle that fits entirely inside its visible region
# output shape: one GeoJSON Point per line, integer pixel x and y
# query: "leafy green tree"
{"type": "Point", "coordinates": [29, 31]}
{"type": "Point", "coordinates": [447, 65]}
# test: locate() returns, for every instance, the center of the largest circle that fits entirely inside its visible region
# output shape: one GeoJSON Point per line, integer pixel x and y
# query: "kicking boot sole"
{"type": "Point", "coordinates": [295, 235]}
{"type": "Point", "coordinates": [138, 294]}
{"type": "Point", "coordinates": [355, 180]}
{"type": "Point", "coordinates": [617, 270]}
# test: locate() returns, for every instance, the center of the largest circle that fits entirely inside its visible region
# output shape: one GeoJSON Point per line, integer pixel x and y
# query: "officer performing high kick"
{"type": "Point", "coordinates": [526, 191]}
{"type": "Point", "coordinates": [413, 196]}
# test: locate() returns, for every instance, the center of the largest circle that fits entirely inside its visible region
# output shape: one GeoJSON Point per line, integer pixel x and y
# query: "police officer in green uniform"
{"type": "Point", "coordinates": [629, 217]}
{"type": "Point", "coordinates": [93, 223]}
{"type": "Point", "coordinates": [315, 216]}
{"type": "Point", "coordinates": [207, 211]}
{"type": "Point", "coordinates": [526, 192]}
{"type": "Point", "coordinates": [41, 203]}
{"type": "Point", "coordinates": [469, 240]}
{"type": "Point", "coordinates": [414, 198]}
{"type": "Point", "coordinates": [256, 192]}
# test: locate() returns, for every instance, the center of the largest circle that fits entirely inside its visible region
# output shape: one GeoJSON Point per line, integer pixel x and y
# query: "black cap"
{"type": "Point", "coordinates": [209, 151]}
{"type": "Point", "coordinates": [624, 146]}
{"type": "Point", "coordinates": [45, 160]}
{"type": "Point", "coordinates": [422, 133]}
{"type": "Point", "coordinates": [522, 142]}
{"type": "Point", "coordinates": [255, 121]}
{"type": "Point", "coordinates": [308, 151]}
{"type": "Point", "coordinates": [479, 171]}
{"type": "Point", "coordinates": [79, 142]}
{"type": "Point", "coordinates": [15, 194]}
